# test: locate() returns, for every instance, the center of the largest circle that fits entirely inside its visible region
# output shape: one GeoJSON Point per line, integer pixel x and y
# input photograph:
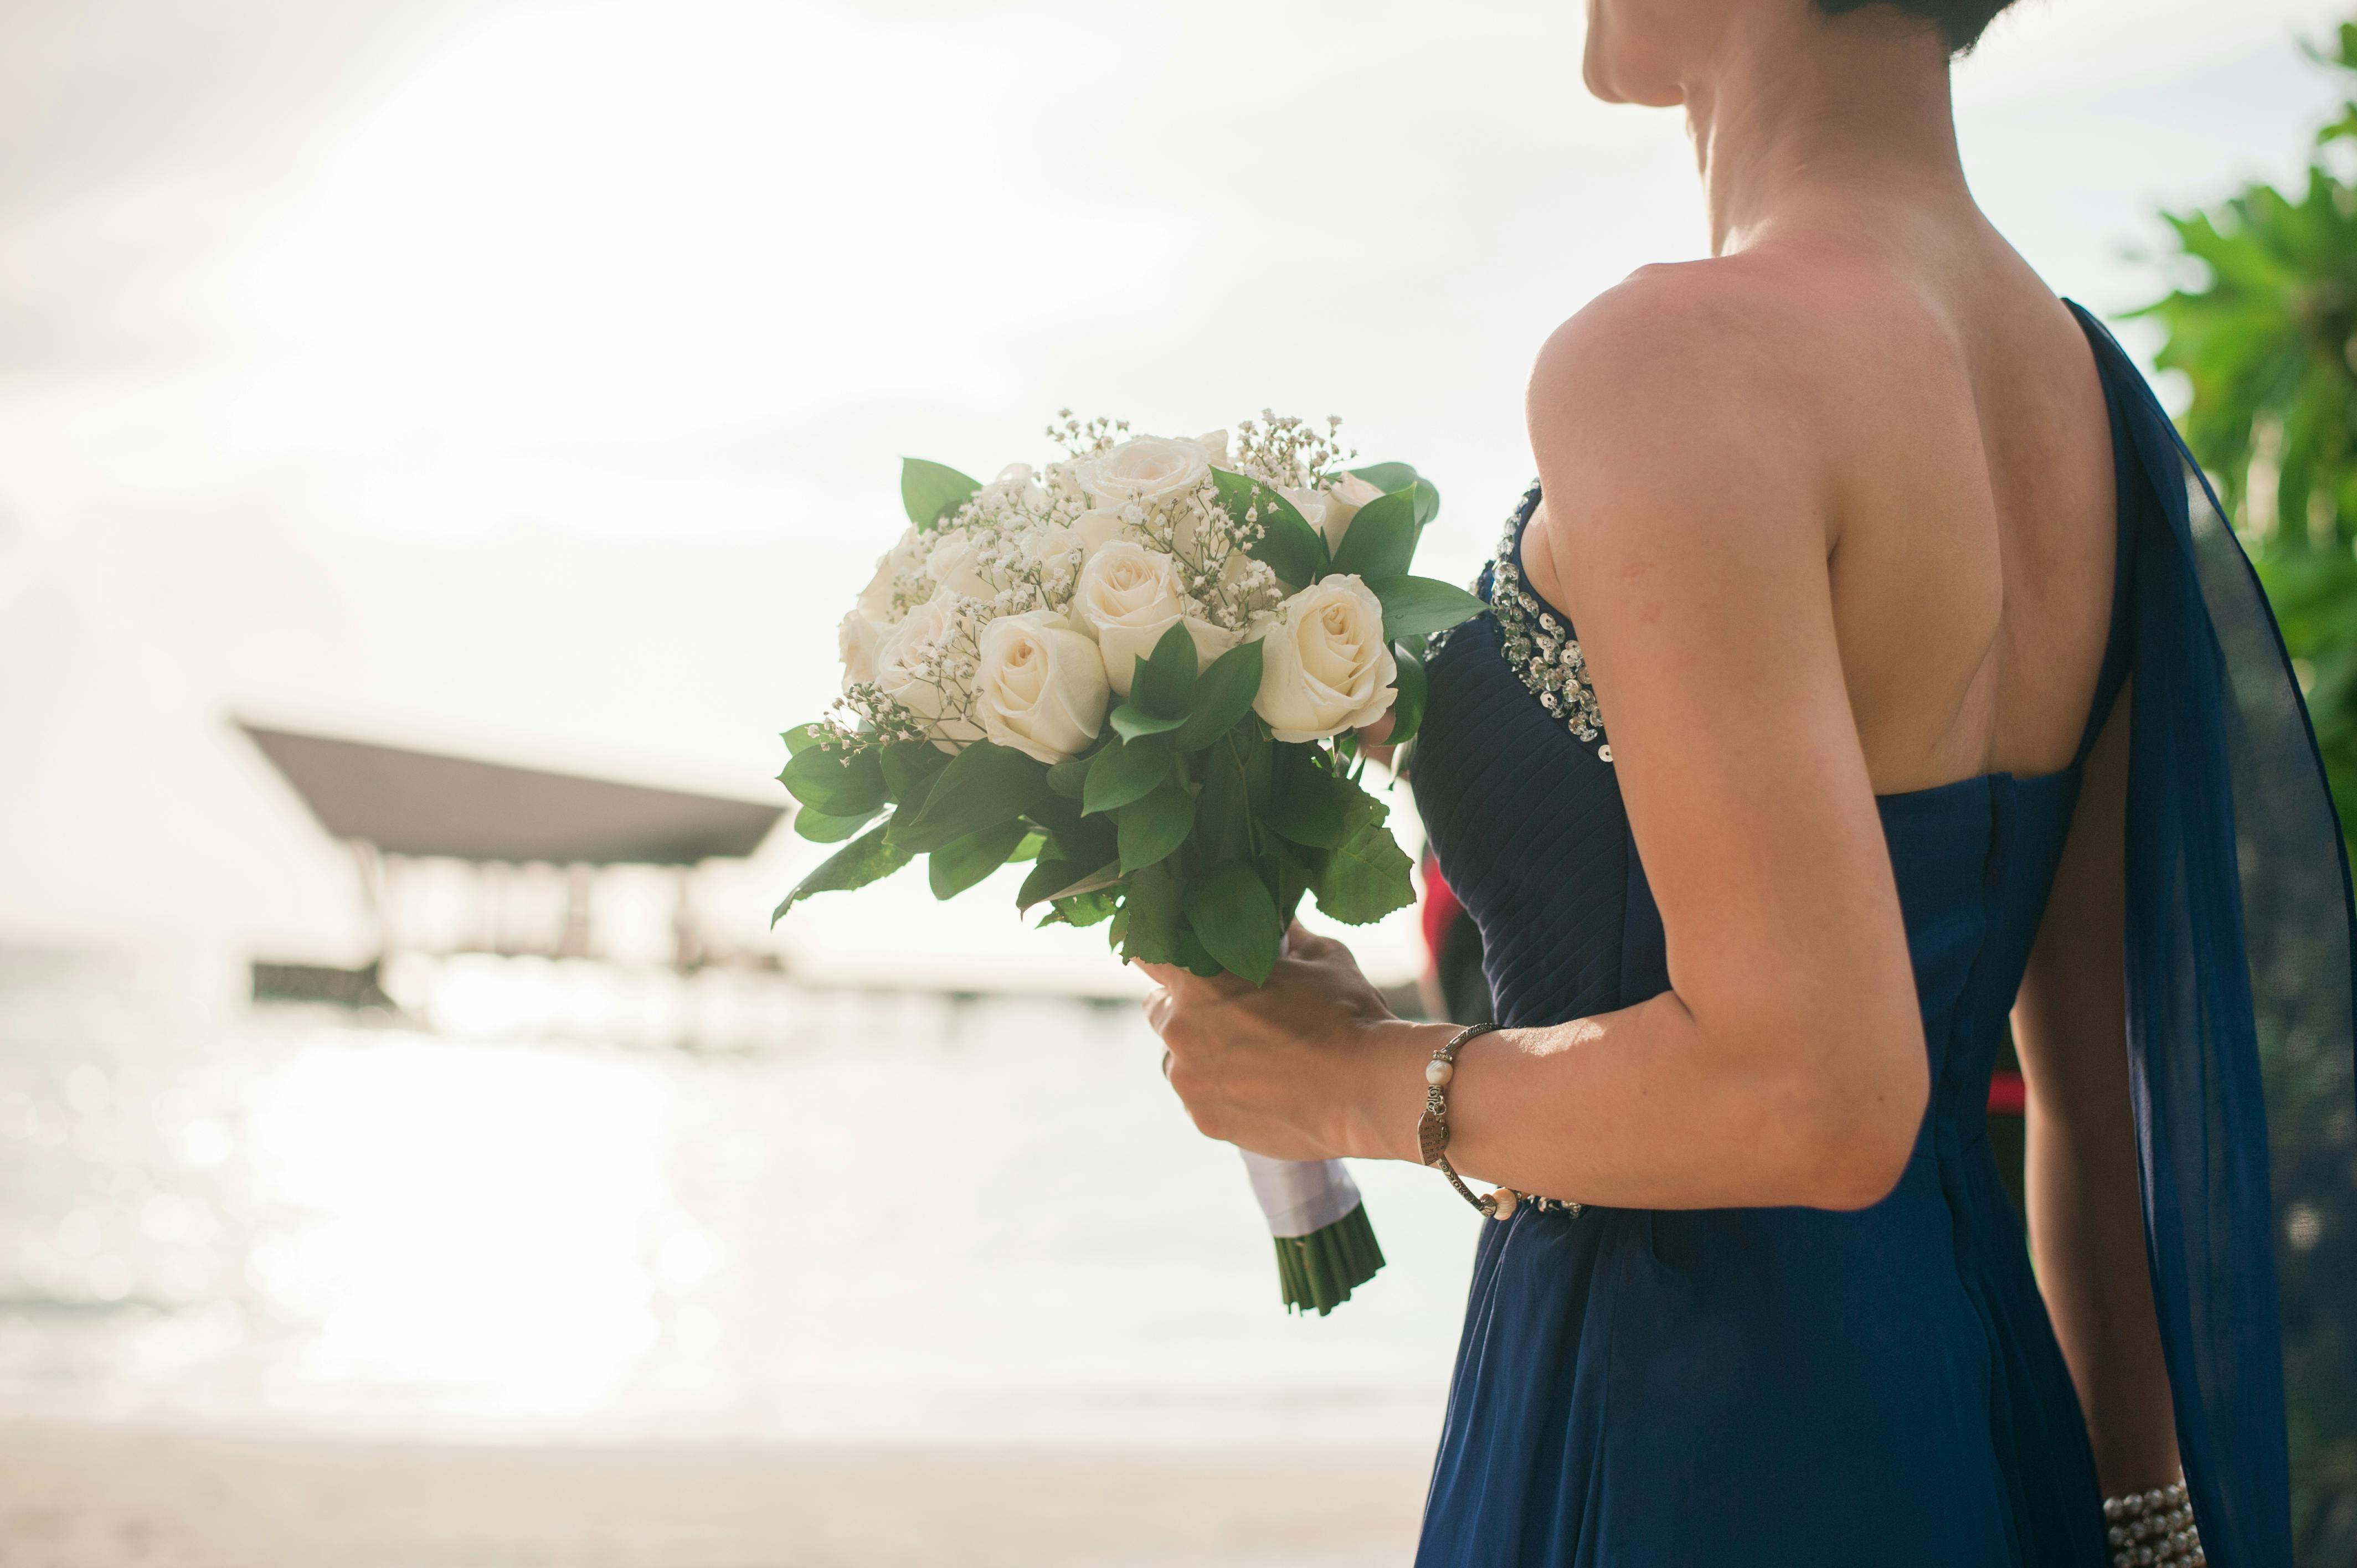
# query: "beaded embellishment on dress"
{"type": "Point", "coordinates": [1538, 645]}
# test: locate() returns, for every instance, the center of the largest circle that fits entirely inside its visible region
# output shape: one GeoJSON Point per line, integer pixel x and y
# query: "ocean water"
{"type": "Point", "coordinates": [871, 1216]}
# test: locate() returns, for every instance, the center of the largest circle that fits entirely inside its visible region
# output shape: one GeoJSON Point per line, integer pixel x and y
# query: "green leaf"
{"type": "Point", "coordinates": [910, 765]}
{"type": "Point", "coordinates": [1428, 504]}
{"type": "Point", "coordinates": [855, 865]}
{"type": "Point", "coordinates": [1419, 606]}
{"type": "Point", "coordinates": [1367, 877]}
{"type": "Point", "coordinates": [1259, 754]}
{"type": "Point", "coordinates": [1126, 771]}
{"type": "Point", "coordinates": [1234, 916]}
{"type": "Point", "coordinates": [802, 737]}
{"type": "Point", "coordinates": [961, 862]}
{"type": "Point", "coordinates": [1296, 872]}
{"type": "Point", "coordinates": [1047, 879]}
{"type": "Point", "coordinates": [984, 786]}
{"type": "Point", "coordinates": [1388, 477]}
{"type": "Point", "coordinates": [1068, 776]}
{"type": "Point", "coordinates": [1130, 721]}
{"type": "Point", "coordinates": [1311, 806]}
{"type": "Point", "coordinates": [820, 827]}
{"type": "Point", "coordinates": [1223, 811]}
{"type": "Point", "coordinates": [1291, 548]}
{"type": "Point", "coordinates": [839, 783]}
{"type": "Point", "coordinates": [1223, 694]}
{"type": "Point", "coordinates": [1052, 880]}
{"type": "Point", "coordinates": [1194, 956]}
{"type": "Point", "coordinates": [1165, 680]}
{"type": "Point", "coordinates": [1407, 708]}
{"type": "Point", "coordinates": [1380, 539]}
{"type": "Point", "coordinates": [1151, 828]}
{"type": "Point", "coordinates": [1085, 839]}
{"type": "Point", "coordinates": [1084, 908]}
{"type": "Point", "coordinates": [1150, 917]}
{"type": "Point", "coordinates": [931, 490]}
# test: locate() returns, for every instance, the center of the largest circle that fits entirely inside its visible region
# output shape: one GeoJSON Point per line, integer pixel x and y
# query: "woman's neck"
{"type": "Point", "coordinates": [1802, 127]}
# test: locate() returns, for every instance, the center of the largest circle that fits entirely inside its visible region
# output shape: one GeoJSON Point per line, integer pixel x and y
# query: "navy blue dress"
{"type": "Point", "coordinates": [1773, 1386]}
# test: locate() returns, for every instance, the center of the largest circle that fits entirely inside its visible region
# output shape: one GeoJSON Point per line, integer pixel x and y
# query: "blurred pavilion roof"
{"type": "Point", "coordinates": [419, 803]}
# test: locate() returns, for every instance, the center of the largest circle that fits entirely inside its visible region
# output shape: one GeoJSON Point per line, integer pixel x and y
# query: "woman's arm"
{"type": "Point", "coordinates": [1690, 515]}
{"type": "Point", "coordinates": [2086, 1215]}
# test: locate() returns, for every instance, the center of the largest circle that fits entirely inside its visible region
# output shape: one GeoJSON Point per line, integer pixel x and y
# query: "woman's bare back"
{"type": "Point", "coordinates": [1952, 416]}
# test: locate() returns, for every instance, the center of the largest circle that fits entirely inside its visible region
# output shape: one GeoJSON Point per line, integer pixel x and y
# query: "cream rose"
{"type": "Point", "coordinates": [1343, 500]}
{"type": "Point", "coordinates": [1329, 511]}
{"type": "Point", "coordinates": [908, 668]}
{"type": "Point", "coordinates": [1128, 598]}
{"type": "Point", "coordinates": [1097, 529]}
{"type": "Point", "coordinates": [1014, 484]}
{"type": "Point", "coordinates": [1146, 468]}
{"type": "Point", "coordinates": [907, 554]}
{"type": "Point", "coordinates": [1041, 688]}
{"type": "Point", "coordinates": [951, 565]}
{"type": "Point", "coordinates": [858, 639]}
{"type": "Point", "coordinates": [1325, 667]}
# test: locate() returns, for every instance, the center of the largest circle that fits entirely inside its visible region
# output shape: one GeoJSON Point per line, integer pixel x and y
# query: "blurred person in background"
{"type": "Point", "coordinates": [1918, 694]}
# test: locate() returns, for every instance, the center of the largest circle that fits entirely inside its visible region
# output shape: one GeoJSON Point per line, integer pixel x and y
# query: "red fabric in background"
{"type": "Point", "coordinates": [1441, 909]}
{"type": "Point", "coordinates": [2009, 1096]}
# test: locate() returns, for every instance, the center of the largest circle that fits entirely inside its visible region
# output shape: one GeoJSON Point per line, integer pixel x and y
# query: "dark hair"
{"type": "Point", "coordinates": [1960, 22]}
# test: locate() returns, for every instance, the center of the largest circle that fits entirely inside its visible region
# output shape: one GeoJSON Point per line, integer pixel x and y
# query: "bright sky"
{"type": "Point", "coordinates": [530, 379]}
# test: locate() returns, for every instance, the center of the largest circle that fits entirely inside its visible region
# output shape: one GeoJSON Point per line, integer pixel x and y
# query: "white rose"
{"type": "Point", "coordinates": [908, 668]}
{"type": "Point", "coordinates": [1014, 484]}
{"type": "Point", "coordinates": [858, 639]}
{"type": "Point", "coordinates": [1046, 544]}
{"type": "Point", "coordinates": [1215, 447]}
{"type": "Point", "coordinates": [951, 565]}
{"type": "Point", "coordinates": [908, 552]}
{"type": "Point", "coordinates": [1343, 503]}
{"type": "Point", "coordinates": [1041, 689]}
{"type": "Point", "coordinates": [1097, 529]}
{"type": "Point", "coordinates": [1146, 468]}
{"type": "Point", "coordinates": [1325, 667]}
{"type": "Point", "coordinates": [1310, 504]}
{"type": "Point", "coordinates": [1128, 598]}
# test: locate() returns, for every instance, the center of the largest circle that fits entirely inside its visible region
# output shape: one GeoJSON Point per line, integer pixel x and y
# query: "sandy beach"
{"type": "Point", "coordinates": [100, 1497]}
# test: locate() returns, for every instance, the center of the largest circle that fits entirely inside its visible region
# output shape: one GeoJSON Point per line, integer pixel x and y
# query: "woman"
{"type": "Point", "coordinates": [1897, 709]}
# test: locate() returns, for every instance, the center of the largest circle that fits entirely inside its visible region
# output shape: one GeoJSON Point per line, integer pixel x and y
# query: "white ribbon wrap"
{"type": "Point", "coordinates": [1300, 1196]}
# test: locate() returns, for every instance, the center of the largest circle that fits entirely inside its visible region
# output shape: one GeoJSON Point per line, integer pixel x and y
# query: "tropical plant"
{"type": "Point", "coordinates": [2266, 335]}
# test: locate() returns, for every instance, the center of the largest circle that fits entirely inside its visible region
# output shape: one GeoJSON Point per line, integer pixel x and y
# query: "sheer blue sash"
{"type": "Point", "coordinates": [2240, 986]}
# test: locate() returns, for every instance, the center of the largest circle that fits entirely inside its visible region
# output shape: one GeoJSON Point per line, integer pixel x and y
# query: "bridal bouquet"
{"type": "Point", "coordinates": [1142, 669]}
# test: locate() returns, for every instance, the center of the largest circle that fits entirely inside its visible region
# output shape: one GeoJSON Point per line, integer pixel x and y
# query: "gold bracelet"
{"type": "Point", "coordinates": [1432, 1135]}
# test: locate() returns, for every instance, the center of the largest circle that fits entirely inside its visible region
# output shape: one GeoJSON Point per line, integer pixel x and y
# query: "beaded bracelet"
{"type": "Point", "coordinates": [2155, 1528]}
{"type": "Point", "coordinates": [1432, 1135]}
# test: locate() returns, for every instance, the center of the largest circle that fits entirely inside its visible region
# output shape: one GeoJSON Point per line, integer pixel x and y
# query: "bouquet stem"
{"type": "Point", "coordinates": [1325, 1246]}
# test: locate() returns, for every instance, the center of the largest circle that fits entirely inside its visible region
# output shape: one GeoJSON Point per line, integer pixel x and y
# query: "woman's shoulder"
{"type": "Point", "coordinates": [1756, 325]}
{"type": "Point", "coordinates": [1757, 373]}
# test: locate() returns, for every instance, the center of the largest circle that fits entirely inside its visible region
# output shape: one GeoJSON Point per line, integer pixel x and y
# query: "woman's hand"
{"type": "Point", "coordinates": [1306, 1067]}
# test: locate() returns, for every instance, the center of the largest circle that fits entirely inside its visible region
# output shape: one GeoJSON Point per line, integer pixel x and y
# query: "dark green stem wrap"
{"type": "Point", "coordinates": [1321, 1269]}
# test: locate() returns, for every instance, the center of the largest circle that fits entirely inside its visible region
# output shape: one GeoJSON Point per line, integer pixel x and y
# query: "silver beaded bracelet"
{"type": "Point", "coordinates": [2155, 1528]}
{"type": "Point", "coordinates": [1432, 1136]}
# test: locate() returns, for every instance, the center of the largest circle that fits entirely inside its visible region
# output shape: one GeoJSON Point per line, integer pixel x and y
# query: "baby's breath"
{"type": "Point", "coordinates": [1289, 452]}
